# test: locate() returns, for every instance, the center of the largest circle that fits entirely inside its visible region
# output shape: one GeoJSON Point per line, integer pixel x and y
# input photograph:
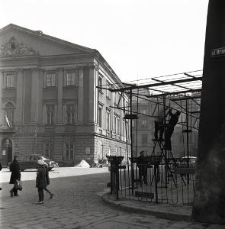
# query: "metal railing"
{"type": "Point", "coordinates": [161, 182]}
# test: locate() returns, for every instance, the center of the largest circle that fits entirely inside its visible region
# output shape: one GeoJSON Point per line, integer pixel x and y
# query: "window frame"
{"type": "Point", "coordinates": [100, 113]}
{"type": "Point", "coordinates": [71, 115]}
{"type": "Point", "coordinates": [49, 147]}
{"type": "Point", "coordinates": [70, 80]}
{"type": "Point", "coordinates": [108, 119]}
{"type": "Point", "coordinates": [69, 155]}
{"type": "Point", "coordinates": [50, 119]}
{"type": "Point", "coordinates": [100, 83]}
{"type": "Point", "coordinates": [9, 80]}
{"type": "Point", "coordinates": [50, 79]}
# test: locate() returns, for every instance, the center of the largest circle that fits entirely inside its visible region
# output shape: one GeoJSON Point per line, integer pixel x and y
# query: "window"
{"type": "Point", "coordinates": [144, 138]}
{"type": "Point", "coordinates": [108, 119]}
{"type": "Point", "coordinates": [144, 111]}
{"type": "Point", "coordinates": [69, 147]}
{"type": "Point", "coordinates": [70, 78]}
{"type": "Point", "coordinates": [118, 125]}
{"type": "Point", "coordinates": [114, 124]}
{"type": "Point", "coordinates": [144, 123]}
{"type": "Point", "coordinates": [133, 123]}
{"type": "Point", "coordinates": [49, 150]}
{"type": "Point", "coordinates": [100, 83]}
{"type": "Point", "coordinates": [70, 114]}
{"type": "Point", "coordinates": [50, 114]}
{"type": "Point", "coordinates": [50, 80]}
{"type": "Point", "coordinates": [9, 114]}
{"type": "Point", "coordinates": [100, 115]}
{"type": "Point", "coordinates": [115, 99]}
{"type": "Point", "coordinates": [108, 92]}
{"type": "Point", "coordinates": [10, 80]}
{"type": "Point", "coordinates": [124, 129]}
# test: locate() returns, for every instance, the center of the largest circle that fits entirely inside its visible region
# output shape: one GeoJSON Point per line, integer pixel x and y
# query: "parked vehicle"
{"type": "Point", "coordinates": [30, 162]}
{"type": "Point", "coordinates": [187, 161]}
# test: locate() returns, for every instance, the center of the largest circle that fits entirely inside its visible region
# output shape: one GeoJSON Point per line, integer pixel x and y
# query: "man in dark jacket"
{"type": "Point", "coordinates": [41, 181]}
{"type": "Point", "coordinates": [142, 166]}
{"type": "Point", "coordinates": [48, 182]}
{"type": "Point", "coordinates": [169, 131]}
{"type": "Point", "coordinates": [15, 175]}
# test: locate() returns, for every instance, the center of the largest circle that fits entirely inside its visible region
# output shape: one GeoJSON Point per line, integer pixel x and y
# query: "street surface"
{"type": "Point", "coordinates": [76, 204]}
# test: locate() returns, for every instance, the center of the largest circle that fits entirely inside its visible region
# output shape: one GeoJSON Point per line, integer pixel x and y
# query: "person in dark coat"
{"type": "Point", "coordinates": [142, 166]}
{"type": "Point", "coordinates": [48, 182]}
{"type": "Point", "coordinates": [169, 131]}
{"type": "Point", "coordinates": [15, 175]}
{"type": "Point", "coordinates": [41, 181]}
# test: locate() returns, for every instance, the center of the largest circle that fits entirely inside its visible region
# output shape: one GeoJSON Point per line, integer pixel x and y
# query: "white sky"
{"type": "Point", "coordinates": [138, 38]}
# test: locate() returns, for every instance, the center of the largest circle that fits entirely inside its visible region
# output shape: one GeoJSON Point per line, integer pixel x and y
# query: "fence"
{"type": "Point", "coordinates": [152, 181]}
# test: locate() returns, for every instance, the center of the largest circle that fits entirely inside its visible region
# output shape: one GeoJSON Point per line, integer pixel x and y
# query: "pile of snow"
{"type": "Point", "coordinates": [82, 164]}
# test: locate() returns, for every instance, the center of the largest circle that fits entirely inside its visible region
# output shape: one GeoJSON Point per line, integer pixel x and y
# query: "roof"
{"type": "Point", "coordinates": [64, 43]}
{"type": "Point", "coordinates": [39, 33]}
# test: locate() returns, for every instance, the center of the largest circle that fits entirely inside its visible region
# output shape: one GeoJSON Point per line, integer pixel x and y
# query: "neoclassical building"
{"type": "Point", "coordinates": [54, 100]}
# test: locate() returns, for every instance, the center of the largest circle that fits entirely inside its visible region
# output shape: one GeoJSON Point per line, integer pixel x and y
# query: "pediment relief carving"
{"type": "Point", "coordinates": [14, 48]}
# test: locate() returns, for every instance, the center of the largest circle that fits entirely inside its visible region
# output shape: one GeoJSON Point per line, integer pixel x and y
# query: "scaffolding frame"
{"type": "Point", "coordinates": [176, 88]}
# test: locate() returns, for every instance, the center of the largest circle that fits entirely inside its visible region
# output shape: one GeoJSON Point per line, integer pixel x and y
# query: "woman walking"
{"type": "Point", "coordinates": [41, 181]}
{"type": "Point", "coordinates": [48, 181]}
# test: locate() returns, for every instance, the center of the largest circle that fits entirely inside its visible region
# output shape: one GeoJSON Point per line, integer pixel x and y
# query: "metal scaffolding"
{"type": "Point", "coordinates": [182, 89]}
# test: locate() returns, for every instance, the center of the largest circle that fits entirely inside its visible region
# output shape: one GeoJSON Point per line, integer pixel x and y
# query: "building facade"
{"type": "Point", "coordinates": [54, 100]}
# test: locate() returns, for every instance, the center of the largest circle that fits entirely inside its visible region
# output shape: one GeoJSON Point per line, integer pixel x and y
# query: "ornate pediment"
{"type": "Point", "coordinates": [14, 48]}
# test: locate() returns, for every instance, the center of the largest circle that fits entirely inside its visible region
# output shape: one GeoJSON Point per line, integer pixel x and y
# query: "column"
{"type": "Point", "coordinates": [35, 94]}
{"type": "Point", "coordinates": [80, 99]}
{"type": "Point", "coordinates": [93, 95]}
{"type": "Point", "coordinates": [60, 82]}
{"type": "Point", "coordinates": [19, 98]}
{"type": "Point", "coordinates": [209, 200]}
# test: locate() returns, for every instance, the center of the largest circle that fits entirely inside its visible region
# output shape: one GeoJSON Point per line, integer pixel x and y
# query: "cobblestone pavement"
{"type": "Point", "coordinates": [77, 203]}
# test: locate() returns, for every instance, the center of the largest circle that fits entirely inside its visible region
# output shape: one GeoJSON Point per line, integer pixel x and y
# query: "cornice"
{"type": "Point", "coordinates": [107, 67]}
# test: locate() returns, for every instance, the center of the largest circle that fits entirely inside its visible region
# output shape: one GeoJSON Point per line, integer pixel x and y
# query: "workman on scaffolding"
{"type": "Point", "coordinates": [159, 127]}
{"type": "Point", "coordinates": [174, 117]}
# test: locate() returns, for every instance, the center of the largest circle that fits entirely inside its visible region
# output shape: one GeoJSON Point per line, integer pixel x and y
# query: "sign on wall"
{"type": "Point", "coordinates": [218, 52]}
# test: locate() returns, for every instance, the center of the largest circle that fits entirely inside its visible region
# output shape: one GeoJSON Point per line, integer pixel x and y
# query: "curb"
{"type": "Point", "coordinates": [158, 210]}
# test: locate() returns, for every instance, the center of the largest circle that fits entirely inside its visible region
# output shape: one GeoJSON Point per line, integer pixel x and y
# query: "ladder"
{"type": "Point", "coordinates": [169, 172]}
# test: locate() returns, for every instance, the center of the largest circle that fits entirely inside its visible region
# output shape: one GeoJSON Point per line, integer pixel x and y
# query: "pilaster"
{"type": "Point", "coordinates": [35, 95]}
{"type": "Point", "coordinates": [80, 95]}
{"type": "Point", "coordinates": [93, 95]}
{"type": "Point", "coordinates": [60, 81]}
{"type": "Point", "coordinates": [1, 108]}
{"type": "Point", "coordinates": [19, 97]}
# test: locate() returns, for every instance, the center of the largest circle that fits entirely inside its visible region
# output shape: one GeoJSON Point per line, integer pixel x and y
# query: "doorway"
{"type": "Point", "coordinates": [6, 152]}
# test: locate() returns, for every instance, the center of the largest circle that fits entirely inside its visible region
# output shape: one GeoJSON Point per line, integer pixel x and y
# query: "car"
{"type": "Point", "coordinates": [31, 162]}
{"type": "Point", "coordinates": [187, 161]}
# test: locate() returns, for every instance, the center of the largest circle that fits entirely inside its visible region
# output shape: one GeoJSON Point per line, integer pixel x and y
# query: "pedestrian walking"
{"type": "Point", "coordinates": [48, 181]}
{"type": "Point", "coordinates": [41, 181]}
{"type": "Point", "coordinates": [15, 176]}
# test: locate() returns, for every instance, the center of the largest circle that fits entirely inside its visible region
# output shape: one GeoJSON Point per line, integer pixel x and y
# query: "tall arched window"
{"type": "Point", "coordinates": [9, 114]}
